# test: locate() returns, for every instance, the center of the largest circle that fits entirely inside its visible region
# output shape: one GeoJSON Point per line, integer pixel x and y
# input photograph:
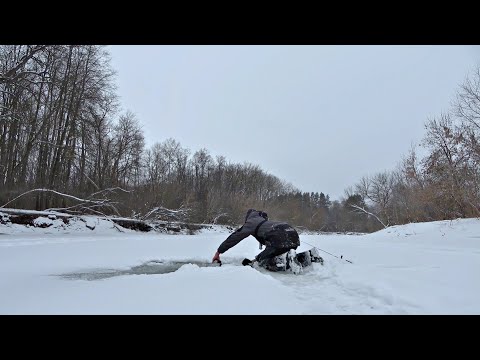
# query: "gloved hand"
{"type": "Point", "coordinates": [216, 258]}
{"type": "Point", "coordinates": [246, 262]}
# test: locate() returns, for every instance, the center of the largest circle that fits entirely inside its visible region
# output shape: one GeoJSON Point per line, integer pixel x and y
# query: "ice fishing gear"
{"type": "Point", "coordinates": [341, 256]}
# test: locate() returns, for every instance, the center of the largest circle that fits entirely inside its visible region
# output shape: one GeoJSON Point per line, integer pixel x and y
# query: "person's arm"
{"type": "Point", "coordinates": [247, 229]}
{"type": "Point", "coordinates": [216, 257]}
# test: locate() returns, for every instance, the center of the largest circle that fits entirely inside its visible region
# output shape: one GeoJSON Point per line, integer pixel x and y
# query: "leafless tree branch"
{"type": "Point", "coordinates": [368, 213]}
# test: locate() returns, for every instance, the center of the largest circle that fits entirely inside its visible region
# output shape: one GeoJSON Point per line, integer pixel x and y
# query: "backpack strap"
{"type": "Point", "coordinates": [256, 229]}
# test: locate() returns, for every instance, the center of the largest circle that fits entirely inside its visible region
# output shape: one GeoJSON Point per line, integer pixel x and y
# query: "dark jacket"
{"type": "Point", "coordinates": [266, 228]}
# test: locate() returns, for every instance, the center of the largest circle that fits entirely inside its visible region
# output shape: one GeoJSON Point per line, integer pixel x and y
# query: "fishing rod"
{"type": "Point", "coordinates": [341, 256]}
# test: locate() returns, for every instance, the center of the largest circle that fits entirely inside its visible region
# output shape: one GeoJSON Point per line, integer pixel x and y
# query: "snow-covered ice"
{"type": "Point", "coordinates": [425, 268]}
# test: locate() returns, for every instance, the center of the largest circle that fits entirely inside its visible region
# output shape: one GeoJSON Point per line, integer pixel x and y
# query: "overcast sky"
{"type": "Point", "coordinates": [319, 117]}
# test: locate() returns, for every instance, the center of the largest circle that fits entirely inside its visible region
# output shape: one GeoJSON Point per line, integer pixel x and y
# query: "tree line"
{"type": "Point", "coordinates": [65, 144]}
{"type": "Point", "coordinates": [444, 183]}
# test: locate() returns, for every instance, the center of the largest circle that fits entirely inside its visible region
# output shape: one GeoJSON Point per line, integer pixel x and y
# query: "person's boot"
{"type": "Point", "coordinates": [315, 256]}
{"type": "Point", "coordinates": [304, 258]}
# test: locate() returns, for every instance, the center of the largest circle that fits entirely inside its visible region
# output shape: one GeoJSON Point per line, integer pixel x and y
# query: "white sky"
{"type": "Point", "coordinates": [319, 117]}
{"type": "Point", "coordinates": [425, 268]}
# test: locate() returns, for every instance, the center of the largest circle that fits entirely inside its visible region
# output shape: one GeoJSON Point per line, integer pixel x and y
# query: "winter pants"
{"type": "Point", "coordinates": [278, 241]}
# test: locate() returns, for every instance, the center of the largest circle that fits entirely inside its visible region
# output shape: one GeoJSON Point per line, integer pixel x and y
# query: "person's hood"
{"type": "Point", "coordinates": [250, 212]}
{"type": "Point", "coordinates": [253, 212]}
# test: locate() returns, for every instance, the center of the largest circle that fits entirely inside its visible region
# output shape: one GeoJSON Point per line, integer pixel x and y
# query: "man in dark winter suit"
{"type": "Point", "coordinates": [278, 237]}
